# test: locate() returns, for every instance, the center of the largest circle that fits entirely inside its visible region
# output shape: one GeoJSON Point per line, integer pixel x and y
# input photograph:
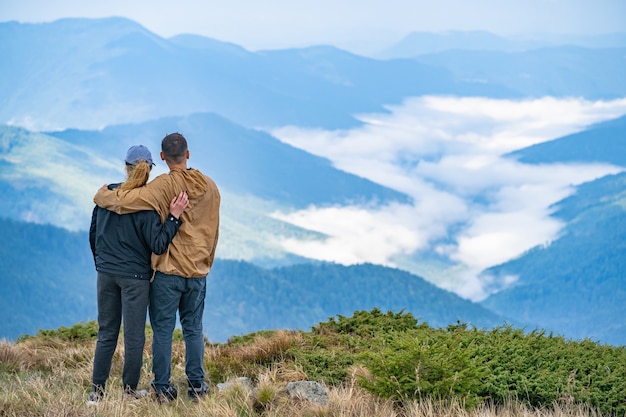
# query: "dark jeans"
{"type": "Point", "coordinates": [120, 298]}
{"type": "Point", "coordinates": [168, 294]}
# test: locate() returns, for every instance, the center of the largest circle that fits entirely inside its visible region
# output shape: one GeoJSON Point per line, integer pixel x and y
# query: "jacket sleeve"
{"type": "Point", "coordinates": [92, 232]}
{"type": "Point", "coordinates": [159, 235]}
{"type": "Point", "coordinates": [151, 196]}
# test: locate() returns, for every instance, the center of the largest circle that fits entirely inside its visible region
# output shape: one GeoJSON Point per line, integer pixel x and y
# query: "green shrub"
{"type": "Point", "coordinates": [409, 360]}
{"type": "Point", "coordinates": [78, 332]}
{"type": "Point", "coordinates": [475, 365]}
{"type": "Point", "coordinates": [397, 358]}
{"type": "Point", "coordinates": [368, 324]}
{"type": "Point", "coordinates": [425, 363]}
{"type": "Point", "coordinates": [542, 369]}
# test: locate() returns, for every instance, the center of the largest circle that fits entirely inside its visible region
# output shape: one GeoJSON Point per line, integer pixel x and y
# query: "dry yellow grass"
{"type": "Point", "coordinates": [262, 348]}
{"type": "Point", "coordinates": [53, 378]}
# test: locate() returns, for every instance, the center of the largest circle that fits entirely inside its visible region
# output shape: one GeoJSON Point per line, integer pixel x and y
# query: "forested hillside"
{"type": "Point", "coordinates": [603, 142]}
{"type": "Point", "coordinates": [47, 277]}
{"type": "Point", "coordinates": [247, 298]}
{"type": "Point", "coordinates": [575, 285]}
{"type": "Point", "coordinates": [49, 280]}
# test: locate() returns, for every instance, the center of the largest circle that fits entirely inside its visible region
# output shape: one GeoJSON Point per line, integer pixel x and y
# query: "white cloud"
{"type": "Point", "coordinates": [368, 235]}
{"type": "Point", "coordinates": [447, 153]}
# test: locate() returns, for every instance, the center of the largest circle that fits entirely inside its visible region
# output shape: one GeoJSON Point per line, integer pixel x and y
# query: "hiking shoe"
{"type": "Point", "coordinates": [197, 391]}
{"type": "Point", "coordinates": [96, 395]}
{"type": "Point", "coordinates": [166, 395]}
{"type": "Point", "coordinates": [135, 395]}
{"type": "Point", "coordinates": [94, 398]}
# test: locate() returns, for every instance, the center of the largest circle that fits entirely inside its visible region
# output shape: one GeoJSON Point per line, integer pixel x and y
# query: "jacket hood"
{"type": "Point", "coordinates": [191, 180]}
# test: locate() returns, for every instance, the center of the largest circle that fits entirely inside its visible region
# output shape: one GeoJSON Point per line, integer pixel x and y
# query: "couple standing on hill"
{"type": "Point", "coordinates": [131, 230]}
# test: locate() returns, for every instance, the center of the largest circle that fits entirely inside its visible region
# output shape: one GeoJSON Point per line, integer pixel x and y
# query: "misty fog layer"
{"type": "Point", "coordinates": [471, 203]}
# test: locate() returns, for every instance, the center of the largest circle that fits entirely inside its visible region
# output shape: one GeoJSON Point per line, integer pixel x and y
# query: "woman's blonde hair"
{"type": "Point", "coordinates": [138, 175]}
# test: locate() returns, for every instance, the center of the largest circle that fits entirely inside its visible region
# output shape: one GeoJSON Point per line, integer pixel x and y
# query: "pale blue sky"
{"type": "Point", "coordinates": [268, 24]}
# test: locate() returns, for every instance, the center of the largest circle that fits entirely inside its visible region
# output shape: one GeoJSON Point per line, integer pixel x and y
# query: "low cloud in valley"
{"type": "Point", "coordinates": [471, 203]}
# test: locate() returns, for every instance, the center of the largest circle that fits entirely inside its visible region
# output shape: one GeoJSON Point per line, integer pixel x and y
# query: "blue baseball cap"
{"type": "Point", "coordinates": [138, 153]}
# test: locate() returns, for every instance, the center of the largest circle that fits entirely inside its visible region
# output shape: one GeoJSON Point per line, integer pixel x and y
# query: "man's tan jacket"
{"type": "Point", "coordinates": [191, 253]}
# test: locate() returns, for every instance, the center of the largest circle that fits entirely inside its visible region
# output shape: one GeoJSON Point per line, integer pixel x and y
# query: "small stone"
{"type": "Point", "coordinates": [309, 390]}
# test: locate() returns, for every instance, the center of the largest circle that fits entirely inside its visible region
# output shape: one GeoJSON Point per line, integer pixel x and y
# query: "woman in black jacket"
{"type": "Point", "coordinates": [122, 246]}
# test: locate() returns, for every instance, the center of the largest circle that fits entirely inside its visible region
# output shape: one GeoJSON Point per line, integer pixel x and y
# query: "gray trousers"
{"type": "Point", "coordinates": [169, 294]}
{"type": "Point", "coordinates": [120, 298]}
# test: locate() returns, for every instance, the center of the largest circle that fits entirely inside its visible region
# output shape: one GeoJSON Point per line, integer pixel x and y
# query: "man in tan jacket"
{"type": "Point", "coordinates": [180, 273]}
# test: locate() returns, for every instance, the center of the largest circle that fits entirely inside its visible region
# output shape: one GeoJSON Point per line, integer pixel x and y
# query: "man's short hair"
{"type": "Point", "coordinates": [174, 148]}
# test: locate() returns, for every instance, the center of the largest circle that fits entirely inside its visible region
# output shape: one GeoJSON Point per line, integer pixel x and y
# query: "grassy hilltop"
{"type": "Point", "coordinates": [372, 364]}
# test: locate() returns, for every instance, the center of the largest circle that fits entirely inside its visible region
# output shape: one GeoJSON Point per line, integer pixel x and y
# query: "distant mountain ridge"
{"type": "Point", "coordinates": [558, 71]}
{"type": "Point", "coordinates": [425, 43]}
{"type": "Point", "coordinates": [87, 74]}
{"type": "Point", "coordinates": [90, 73]}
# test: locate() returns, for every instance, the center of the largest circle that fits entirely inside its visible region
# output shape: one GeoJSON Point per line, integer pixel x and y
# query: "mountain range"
{"type": "Point", "coordinates": [114, 71]}
{"type": "Point", "coordinates": [557, 71]}
{"type": "Point", "coordinates": [75, 93]}
{"type": "Point", "coordinates": [427, 43]}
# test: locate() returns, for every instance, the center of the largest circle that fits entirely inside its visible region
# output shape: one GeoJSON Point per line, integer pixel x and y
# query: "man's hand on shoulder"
{"type": "Point", "coordinates": [105, 187]}
{"type": "Point", "coordinates": [106, 198]}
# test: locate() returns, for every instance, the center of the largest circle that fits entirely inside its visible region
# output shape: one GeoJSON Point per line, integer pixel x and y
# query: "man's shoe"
{"type": "Point", "coordinates": [134, 395]}
{"type": "Point", "coordinates": [166, 395]}
{"type": "Point", "coordinates": [197, 391]}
